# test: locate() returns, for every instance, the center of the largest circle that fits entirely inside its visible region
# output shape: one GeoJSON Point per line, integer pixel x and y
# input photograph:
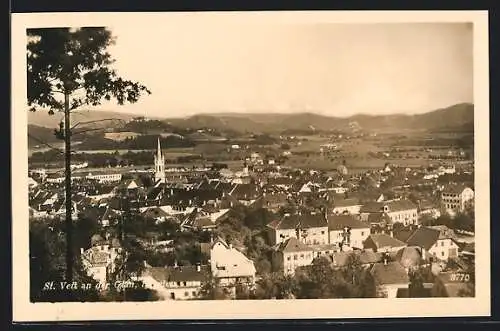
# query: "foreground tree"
{"type": "Point", "coordinates": [68, 69]}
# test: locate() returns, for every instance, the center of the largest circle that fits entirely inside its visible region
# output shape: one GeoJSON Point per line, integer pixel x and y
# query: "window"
{"type": "Point", "coordinates": [442, 243]}
{"type": "Point", "coordinates": [178, 283]}
{"type": "Point", "coordinates": [322, 232]}
{"type": "Point", "coordinates": [288, 258]}
{"type": "Point", "coordinates": [186, 294]}
{"type": "Point", "coordinates": [295, 257]}
{"type": "Point", "coordinates": [362, 233]}
{"type": "Point", "coordinates": [442, 253]}
{"type": "Point", "coordinates": [193, 293]}
{"type": "Point", "coordinates": [184, 283]}
{"type": "Point", "coordinates": [301, 256]}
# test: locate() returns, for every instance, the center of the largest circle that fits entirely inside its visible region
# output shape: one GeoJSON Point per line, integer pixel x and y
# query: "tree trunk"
{"type": "Point", "coordinates": [69, 206]}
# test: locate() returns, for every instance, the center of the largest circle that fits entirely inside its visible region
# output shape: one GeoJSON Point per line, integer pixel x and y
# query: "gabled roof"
{"type": "Point", "coordinates": [346, 202]}
{"type": "Point", "coordinates": [423, 237]}
{"type": "Point", "coordinates": [246, 192]}
{"type": "Point", "coordinates": [403, 235]}
{"type": "Point", "coordinates": [372, 207]}
{"type": "Point", "coordinates": [294, 221]}
{"type": "Point", "coordinates": [293, 245]}
{"type": "Point", "coordinates": [390, 273]}
{"type": "Point", "coordinates": [400, 205]}
{"type": "Point", "coordinates": [155, 212]}
{"type": "Point", "coordinates": [379, 218]}
{"type": "Point", "coordinates": [154, 192]}
{"type": "Point", "coordinates": [384, 240]}
{"type": "Point", "coordinates": [339, 222]}
{"type": "Point", "coordinates": [454, 188]}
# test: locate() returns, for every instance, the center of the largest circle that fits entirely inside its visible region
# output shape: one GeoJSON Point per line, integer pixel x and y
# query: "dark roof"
{"type": "Point", "coordinates": [346, 202]}
{"type": "Point", "coordinates": [379, 218]}
{"type": "Point", "coordinates": [154, 192]}
{"type": "Point", "coordinates": [246, 192]}
{"type": "Point", "coordinates": [293, 245]}
{"type": "Point", "coordinates": [304, 220]}
{"type": "Point", "coordinates": [399, 205]}
{"type": "Point", "coordinates": [176, 196]}
{"type": "Point", "coordinates": [179, 274]}
{"type": "Point", "coordinates": [403, 235]}
{"type": "Point", "coordinates": [280, 181]}
{"type": "Point", "coordinates": [339, 222]}
{"type": "Point", "coordinates": [384, 240]}
{"type": "Point", "coordinates": [155, 212]}
{"type": "Point", "coordinates": [391, 273]}
{"type": "Point", "coordinates": [454, 188]}
{"type": "Point", "coordinates": [423, 237]}
{"type": "Point", "coordinates": [372, 207]}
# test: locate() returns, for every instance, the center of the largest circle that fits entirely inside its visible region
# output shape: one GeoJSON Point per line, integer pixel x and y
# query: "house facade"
{"type": "Point", "coordinates": [291, 254]}
{"type": "Point", "coordinates": [434, 242]}
{"type": "Point", "coordinates": [347, 230]}
{"type": "Point", "coordinates": [230, 266]}
{"type": "Point", "coordinates": [176, 282]}
{"type": "Point", "coordinates": [309, 228]}
{"type": "Point", "coordinates": [456, 198]}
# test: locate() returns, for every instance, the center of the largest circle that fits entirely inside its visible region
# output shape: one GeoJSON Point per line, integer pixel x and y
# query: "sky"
{"type": "Point", "coordinates": [328, 68]}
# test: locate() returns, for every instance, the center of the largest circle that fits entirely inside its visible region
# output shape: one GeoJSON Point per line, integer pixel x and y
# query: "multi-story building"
{"type": "Point", "coordinates": [230, 266]}
{"type": "Point", "coordinates": [434, 242]}
{"type": "Point", "coordinates": [456, 198]}
{"type": "Point", "coordinates": [100, 260]}
{"type": "Point", "coordinates": [291, 254]}
{"type": "Point", "coordinates": [176, 282]}
{"type": "Point", "coordinates": [397, 211]}
{"type": "Point", "coordinates": [347, 231]}
{"type": "Point", "coordinates": [309, 228]}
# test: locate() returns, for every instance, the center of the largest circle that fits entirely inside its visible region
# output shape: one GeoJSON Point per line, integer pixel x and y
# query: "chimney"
{"type": "Point", "coordinates": [198, 268]}
{"type": "Point", "coordinates": [81, 250]}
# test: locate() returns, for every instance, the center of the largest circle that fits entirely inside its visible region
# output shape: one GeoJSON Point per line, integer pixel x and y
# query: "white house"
{"type": "Point", "coordinates": [176, 282]}
{"type": "Point", "coordinates": [434, 242]}
{"type": "Point", "coordinates": [309, 228]}
{"type": "Point", "coordinates": [347, 231]}
{"type": "Point", "coordinates": [346, 206]}
{"type": "Point", "coordinates": [397, 211]}
{"type": "Point", "coordinates": [104, 177]}
{"type": "Point", "coordinates": [230, 266]}
{"type": "Point", "coordinates": [456, 198]}
{"type": "Point", "coordinates": [291, 254]}
{"type": "Point", "coordinates": [100, 260]}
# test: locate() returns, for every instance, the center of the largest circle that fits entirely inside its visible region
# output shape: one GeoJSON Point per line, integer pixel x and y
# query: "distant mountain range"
{"type": "Point", "coordinates": [457, 117]}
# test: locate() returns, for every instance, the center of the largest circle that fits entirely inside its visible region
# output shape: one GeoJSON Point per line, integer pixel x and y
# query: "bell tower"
{"type": "Point", "coordinates": [159, 165]}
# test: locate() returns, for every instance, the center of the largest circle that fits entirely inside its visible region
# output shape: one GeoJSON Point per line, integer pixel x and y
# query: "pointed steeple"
{"type": "Point", "coordinates": [159, 164]}
{"type": "Point", "coordinates": [158, 152]}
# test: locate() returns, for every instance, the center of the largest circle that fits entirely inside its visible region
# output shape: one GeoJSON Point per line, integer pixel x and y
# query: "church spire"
{"type": "Point", "coordinates": [158, 152]}
{"type": "Point", "coordinates": [159, 164]}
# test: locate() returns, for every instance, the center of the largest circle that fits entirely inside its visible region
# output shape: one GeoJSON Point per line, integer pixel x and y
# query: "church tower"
{"type": "Point", "coordinates": [159, 165]}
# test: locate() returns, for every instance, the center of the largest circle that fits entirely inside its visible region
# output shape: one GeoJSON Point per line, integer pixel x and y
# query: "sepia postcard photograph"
{"type": "Point", "coordinates": [250, 165]}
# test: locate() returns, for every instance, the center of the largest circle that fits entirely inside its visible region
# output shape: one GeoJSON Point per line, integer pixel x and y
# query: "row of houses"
{"type": "Point", "coordinates": [228, 267]}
